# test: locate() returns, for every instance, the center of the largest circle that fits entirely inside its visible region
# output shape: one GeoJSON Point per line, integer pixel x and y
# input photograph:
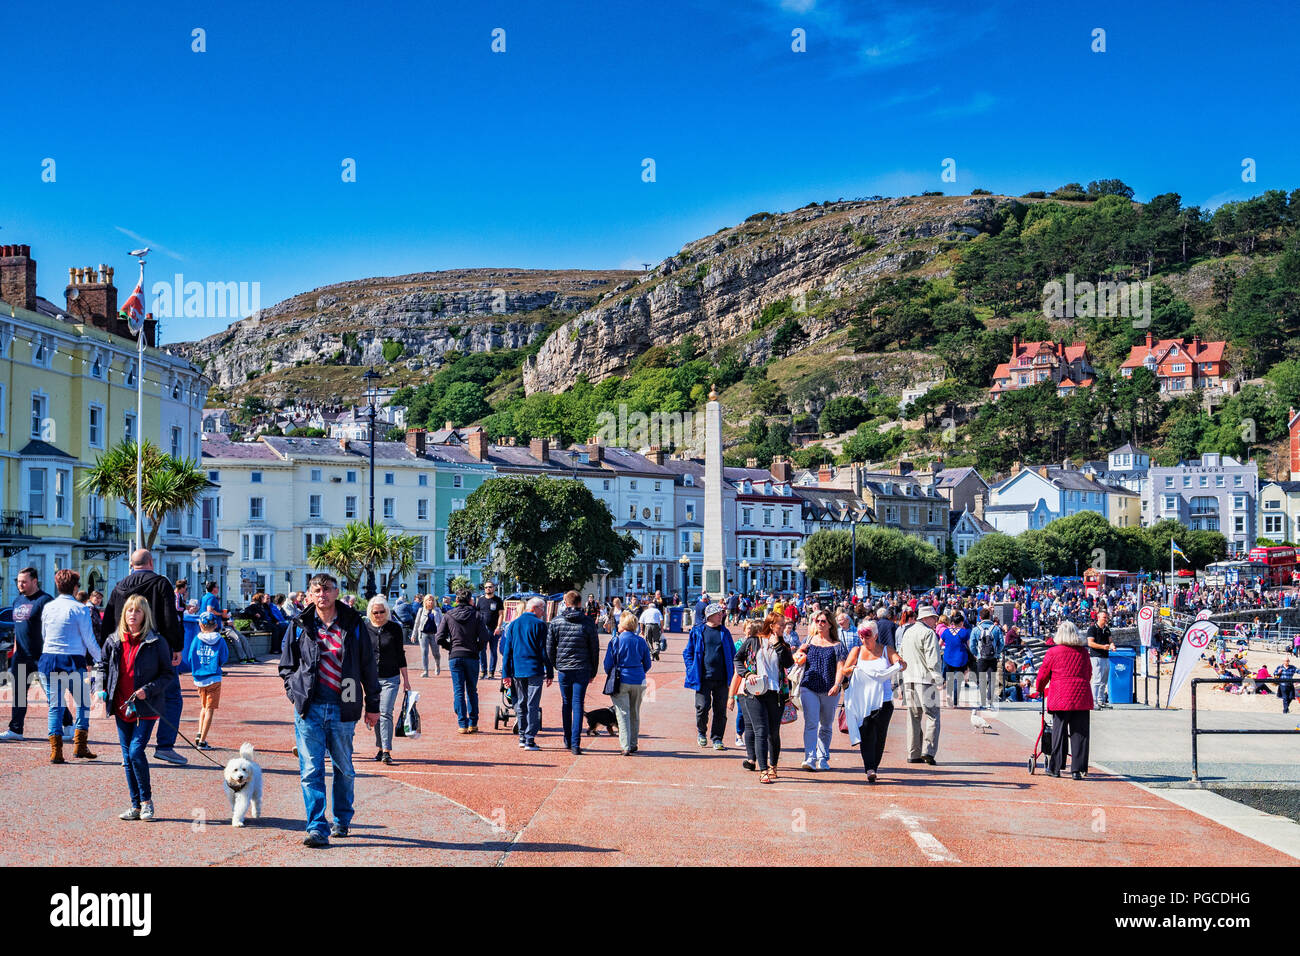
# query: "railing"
{"type": "Point", "coordinates": [15, 523]}
{"type": "Point", "coordinates": [1196, 731]}
{"type": "Point", "coordinates": [103, 530]}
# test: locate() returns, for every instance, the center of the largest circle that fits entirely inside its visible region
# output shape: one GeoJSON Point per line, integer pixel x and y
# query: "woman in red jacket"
{"type": "Point", "coordinates": [1067, 675]}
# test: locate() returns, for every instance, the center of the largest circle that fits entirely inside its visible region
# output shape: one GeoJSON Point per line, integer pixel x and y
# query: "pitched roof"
{"type": "Point", "coordinates": [1195, 350]}
{"type": "Point", "coordinates": [40, 449]}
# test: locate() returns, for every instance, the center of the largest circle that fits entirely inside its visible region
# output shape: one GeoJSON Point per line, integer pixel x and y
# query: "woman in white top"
{"type": "Point", "coordinates": [427, 619]}
{"type": "Point", "coordinates": [68, 640]}
{"type": "Point", "coordinates": [868, 701]}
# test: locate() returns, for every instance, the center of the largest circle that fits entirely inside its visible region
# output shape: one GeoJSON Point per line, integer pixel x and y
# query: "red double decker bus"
{"type": "Point", "coordinates": [1277, 565]}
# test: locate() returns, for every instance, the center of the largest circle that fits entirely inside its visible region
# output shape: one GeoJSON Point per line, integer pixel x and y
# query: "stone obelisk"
{"type": "Point", "coordinates": [715, 556]}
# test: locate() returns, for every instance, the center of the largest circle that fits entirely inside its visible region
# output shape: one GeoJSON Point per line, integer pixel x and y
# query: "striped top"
{"type": "Point", "coordinates": [330, 674]}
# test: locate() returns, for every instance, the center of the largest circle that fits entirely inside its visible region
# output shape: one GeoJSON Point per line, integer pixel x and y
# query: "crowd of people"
{"type": "Point", "coordinates": [859, 660]}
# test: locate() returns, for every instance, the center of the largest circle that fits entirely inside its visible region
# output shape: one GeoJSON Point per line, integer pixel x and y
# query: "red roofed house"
{"type": "Point", "coordinates": [1033, 362]}
{"type": "Point", "coordinates": [1178, 365]}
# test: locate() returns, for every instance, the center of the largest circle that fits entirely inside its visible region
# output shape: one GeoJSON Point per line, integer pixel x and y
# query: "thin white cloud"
{"type": "Point", "coordinates": [977, 104]}
{"type": "Point", "coordinates": [150, 243]}
{"type": "Point", "coordinates": [798, 6]}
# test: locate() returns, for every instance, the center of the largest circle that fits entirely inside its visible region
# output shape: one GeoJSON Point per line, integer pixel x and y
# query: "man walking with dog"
{"type": "Point", "coordinates": [326, 663]}
{"type": "Point", "coordinates": [158, 592]}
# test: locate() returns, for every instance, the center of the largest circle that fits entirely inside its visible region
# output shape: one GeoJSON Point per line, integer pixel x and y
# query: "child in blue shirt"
{"type": "Point", "coordinates": [206, 653]}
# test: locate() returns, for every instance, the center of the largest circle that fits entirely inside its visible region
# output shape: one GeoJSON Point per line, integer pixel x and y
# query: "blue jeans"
{"type": "Point", "coordinates": [464, 690]}
{"type": "Point", "coordinates": [134, 737]}
{"type": "Point", "coordinates": [171, 715]}
{"type": "Point", "coordinates": [818, 725]}
{"type": "Point", "coordinates": [485, 670]}
{"type": "Point", "coordinates": [573, 692]}
{"type": "Point", "coordinates": [58, 683]}
{"type": "Point", "coordinates": [528, 707]}
{"type": "Point", "coordinates": [319, 730]}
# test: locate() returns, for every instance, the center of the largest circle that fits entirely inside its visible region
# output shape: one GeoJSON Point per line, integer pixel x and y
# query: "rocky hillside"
{"type": "Point", "coordinates": [283, 348]}
{"type": "Point", "coordinates": [717, 287]}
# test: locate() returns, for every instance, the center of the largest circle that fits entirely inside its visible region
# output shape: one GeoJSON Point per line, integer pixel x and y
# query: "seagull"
{"type": "Point", "coordinates": [979, 723]}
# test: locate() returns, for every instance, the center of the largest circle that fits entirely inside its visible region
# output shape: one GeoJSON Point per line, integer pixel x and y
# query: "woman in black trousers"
{"type": "Point", "coordinates": [868, 699]}
{"type": "Point", "coordinates": [767, 655]}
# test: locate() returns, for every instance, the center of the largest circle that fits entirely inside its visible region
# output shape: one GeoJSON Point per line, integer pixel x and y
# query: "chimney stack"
{"type": "Point", "coordinates": [825, 475]}
{"type": "Point", "coordinates": [656, 454]}
{"type": "Point", "coordinates": [343, 444]}
{"type": "Point", "coordinates": [92, 298]}
{"type": "Point", "coordinates": [751, 462]}
{"type": "Point", "coordinates": [415, 441]}
{"type": "Point", "coordinates": [979, 505]}
{"type": "Point", "coordinates": [1150, 340]}
{"type": "Point", "coordinates": [18, 277]}
{"type": "Point", "coordinates": [595, 453]}
{"type": "Point", "coordinates": [781, 469]}
{"type": "Point", "coordinates": [448, 426]}
{"type": "Point", "coordinates": [540, 448]}
{"type": "Point", "coordinates": [478, 445]}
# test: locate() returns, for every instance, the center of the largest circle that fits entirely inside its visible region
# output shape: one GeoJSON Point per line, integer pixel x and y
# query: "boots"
{"type": "Point", "coordinates": [79, 738]}
{"type": "Point", "coordinates": [56, 748]}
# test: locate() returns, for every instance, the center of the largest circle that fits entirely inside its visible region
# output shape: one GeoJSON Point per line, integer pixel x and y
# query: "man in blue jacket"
{"type": "Point", "coordinates": [708, 657]}
{"type": "Point", "coordinates": [327, 665]}
{"type": "Point", "coordinates": [524, 663]}
{"type": "Point", "coordinates": [28, 639]}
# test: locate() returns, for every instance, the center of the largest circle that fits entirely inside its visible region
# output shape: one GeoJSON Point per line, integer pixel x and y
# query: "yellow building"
{"type": "Point", "coordinates": [1123, 507]}
{"type": "Point", "coordinates": [67, 394]}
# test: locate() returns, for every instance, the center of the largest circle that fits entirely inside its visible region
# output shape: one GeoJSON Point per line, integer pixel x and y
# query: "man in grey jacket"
{"type": "Point", "coordinates": [919, 647]}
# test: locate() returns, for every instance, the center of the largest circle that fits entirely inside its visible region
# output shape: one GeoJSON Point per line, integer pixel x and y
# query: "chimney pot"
{"type": "Point", "coordinates": [539, 448]}
{"type": "Point", "coordinates": [751, 462]}
{"type": "Point", "coordinates": [595, 452]}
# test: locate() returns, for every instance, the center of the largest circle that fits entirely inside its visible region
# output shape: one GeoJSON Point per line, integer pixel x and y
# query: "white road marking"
{"type": "Point", "coordinates": [934, 851]}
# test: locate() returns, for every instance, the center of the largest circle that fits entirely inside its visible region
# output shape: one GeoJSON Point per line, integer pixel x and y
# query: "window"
{"type": "Point", "coordinates": [310, 540]}
{"type": "Point", "coordinates": [767, 547]}
{"type": "Point", "coordinates": [41, 353]}
{"type": "Point", "coordinates": [1180, 367]}
{"type": "Point", "coordinates": [315, 474]}
{"type": "Point", "coordinates": [690, 511]}
{"type": "Point", "coordinates": [255, 477]}
{"type": "Point", "coordinates": [604, 484]}
{"type": "Point", "coordinates": [1236, 481]}
{"type": "Point", "coordinates": [458, 481]}
{"type": "Point", "coordinates": [422, 548]}
{"type": "Point", "coordinates": [214, 476]}
{"type": "Point", "coordinates": [1239, 524]}
{"type": "Point", "coordinates": [422, 480]}
{"type": "Point", "coordinates": [1273, 525]}
{"type": "Point", "coordinates": [745, 516]}
{"type": "Point", "coordinates": [767, 517]}
{"type": "Point", "coordinates": [1171, 503]}
{"type": "Point", "coordinates": [1169, 481]}
{"type": "Point", "coordinates": [352, 478]}
{"type": "Point", "coordinates": [659, 513]}
{"type": "Point", "coordinates": [632, 485]}
{"type": "Point", "coordinates": [209, 522]}
{"type": "Point", "coordinates": [130, 374]}
{"type": "Point", "coordinates": [631, 512]}
{"type": "Point", "coordinates": [659, 486]}
{"type": "Point", "coordinates": [173, 522]}
{"type": "Point", "coordinates": [422, 509]}
{"type": "Point", "coordinates": [128, 426]}
{"type": "Point", "coordinates": [176, 441]}
{"type": "Point", "coordinates": [97, 367]}
{"type": "Point", "coordinates": [40, 409]}
{"type": "Point", "coordinates": [95, 424]}
{"type": "Point", "coordinates": [1205, 481]}
{"type": "Point", "coordinates": [36, 492]}
{"type": "Point", "coordinates": [785, 518]}
{"type": "Point", "coordinates": [256, 508]}
{"type": "Point", "coordinates": [1238, 502]}
{"type": "Point", "coordinates": [259, 547]}
{"type": "Point", "coordinates": [1218, 481]}
{"type": "Point", "coordinates": [350, 506]}
{"type": "Point", "coordinates": [1187, 481]}
{"type": "Point", "coordinates": [688, 481]}
{"type": "Point", "coordinates": [390, 505]}
{"type": "Point", "coordinates": [62, 485]}
{"type": "Point", "coordinates": [389, 478]}
{"type": "Point", "coordinates": [313, 506]}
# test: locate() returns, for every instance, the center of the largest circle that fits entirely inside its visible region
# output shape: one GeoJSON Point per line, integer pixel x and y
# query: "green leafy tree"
{"type": "Point", "coordinates": [350, 552]}
{"type": "Point", "coordinates": [828, 554]}
{"type": "Point", "coordinates": [843, 413]}
{"type": "Point", "coordinates": [992, 558]}
{"type": "Point", "coordinates": [169, 483]}
{"type": "Point", "coordinates": [549, 533]}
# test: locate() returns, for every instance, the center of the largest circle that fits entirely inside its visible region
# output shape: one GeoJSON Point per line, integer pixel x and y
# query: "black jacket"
{"type": "Point", "coordinates": [572, 643]}
{"type": "Point", "coordinates": [157, 590]}
{"type": "Point", "coordinates": [463, 632]}
{"type": "Point", "coordinates": [300, 661]}
{"type": "Point", "coordinates": [153, 672]}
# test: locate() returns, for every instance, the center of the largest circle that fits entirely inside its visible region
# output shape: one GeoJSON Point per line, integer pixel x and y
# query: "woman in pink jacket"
{"type": "Point", "coordinates": [1066, 673]}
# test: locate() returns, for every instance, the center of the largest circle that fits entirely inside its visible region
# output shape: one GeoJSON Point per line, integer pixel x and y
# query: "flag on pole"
{"type": "Point", "coordinates": [1173, 546]}
{"type": "Point", "coordinates": [133, 309]}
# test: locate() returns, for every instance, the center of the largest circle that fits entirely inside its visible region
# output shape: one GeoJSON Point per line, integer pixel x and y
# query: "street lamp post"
{"type": "Point", "coordinates": [685, 562]}
{"type": "Point", "coordinates": [371, 394]}
{"type": "Point", "coordinates": [803, 580]}
{"type": "Point", "coordinates": [744, 576]}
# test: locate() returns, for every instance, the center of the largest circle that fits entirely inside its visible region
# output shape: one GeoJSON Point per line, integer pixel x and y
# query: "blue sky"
{"type": "Point", "coordinates": [229, 161]}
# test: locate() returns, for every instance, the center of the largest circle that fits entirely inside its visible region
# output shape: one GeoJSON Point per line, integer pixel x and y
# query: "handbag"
{"type": "Point", "coordinates": [790, 713]}
{"type": "Point", "coordinates": [842, 720]}
{"type": "Point", "coordinates": [754, 682]}
{"type": "Point", "coordinates": [612, 682]}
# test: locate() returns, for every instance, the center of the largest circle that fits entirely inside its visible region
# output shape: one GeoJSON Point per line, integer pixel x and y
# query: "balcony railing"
{"type": "Point", "coordinates": [15, 524]}
{"type": "Point", "coordinates": [106, 530]}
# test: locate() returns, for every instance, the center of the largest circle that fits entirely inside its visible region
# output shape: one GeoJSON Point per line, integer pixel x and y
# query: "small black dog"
{"type": "Point", "coordinates": [601, 717]}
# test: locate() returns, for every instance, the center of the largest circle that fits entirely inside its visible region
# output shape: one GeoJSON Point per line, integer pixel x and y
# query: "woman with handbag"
{"type": "Point", "coordinates": [869, 697]}
{"type": "Point", "coordinates": [627, 658]}
{"type": "Point", "coordinates": [822, 657]}
{"type": "Point", "coordinates": [761, 664]}
{"type": "Point", "coordinates": [425, 628]}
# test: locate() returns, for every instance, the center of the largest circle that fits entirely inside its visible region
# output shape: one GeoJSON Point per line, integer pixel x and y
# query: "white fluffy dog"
{"type": "Point", "coordinates": [243, 779]}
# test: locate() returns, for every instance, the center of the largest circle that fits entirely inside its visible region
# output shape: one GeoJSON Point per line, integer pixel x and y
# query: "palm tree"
{"type": "Point", "coordinates": [348, 553]}
{"type": "Point", "coordinates": [169, 483]}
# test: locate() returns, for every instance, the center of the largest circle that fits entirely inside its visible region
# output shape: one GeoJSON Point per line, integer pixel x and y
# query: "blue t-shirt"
{"type": "Point", "coordinates": [713, 659]}
{"type": "Point", "coordinates": [955, 647]}
{"type": "Point", "coordinates": [211, 603]}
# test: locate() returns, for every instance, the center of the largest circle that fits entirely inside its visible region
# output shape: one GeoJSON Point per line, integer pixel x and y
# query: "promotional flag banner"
{"type": "Point", "coordinates": [133, 309]}
{"type": "Point", "coordinates": [1195, 640]}
{"type": "Point", "coordinates": [1203, 615]}
{"type": "Point", "coordinates": [1146, 623]}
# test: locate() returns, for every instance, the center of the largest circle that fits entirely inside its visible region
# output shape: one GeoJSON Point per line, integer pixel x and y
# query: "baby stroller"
{"type": "Point", "coordinates": [1043, 741]}
{"type": "Point", "coordinates": [507, 709]}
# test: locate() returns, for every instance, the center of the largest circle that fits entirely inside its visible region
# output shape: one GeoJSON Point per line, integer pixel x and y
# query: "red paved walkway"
{"type": "Point", "coordinates": [481, 800]}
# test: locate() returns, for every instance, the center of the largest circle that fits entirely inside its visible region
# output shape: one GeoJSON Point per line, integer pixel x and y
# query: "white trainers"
{"type": "Point", "coordinates": [146, 810]}
{"type": "Point", "coordinates": [132, 814]}
{"type": "Point", "coordinates": [740, 741]}
{"type": "Point", "coordinates": [10, 735]}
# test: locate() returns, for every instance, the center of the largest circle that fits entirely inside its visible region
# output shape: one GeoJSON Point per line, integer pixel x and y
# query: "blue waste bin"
{"type": "Point", "coordinates": [191, 631]}
{"type": "Point", "coordinates": [675, 619]}
{"type": "Point", "coordinates": [1123, 662]}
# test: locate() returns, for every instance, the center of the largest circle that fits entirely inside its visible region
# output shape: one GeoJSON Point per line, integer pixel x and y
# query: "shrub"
{"type": "Point", "coordinates": [393, 350]}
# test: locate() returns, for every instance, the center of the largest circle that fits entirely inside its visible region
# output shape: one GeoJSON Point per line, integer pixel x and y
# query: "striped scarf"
{"type": "Point", "coordinates": [330, 637]}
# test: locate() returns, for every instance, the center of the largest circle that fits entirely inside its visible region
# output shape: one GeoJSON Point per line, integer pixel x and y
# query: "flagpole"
{"type": "Point", "coordinates": [139, 399]}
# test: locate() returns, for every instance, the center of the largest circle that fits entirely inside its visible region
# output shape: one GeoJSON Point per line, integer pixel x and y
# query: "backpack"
{"type": "Point", "coordinates": [986, 648]}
